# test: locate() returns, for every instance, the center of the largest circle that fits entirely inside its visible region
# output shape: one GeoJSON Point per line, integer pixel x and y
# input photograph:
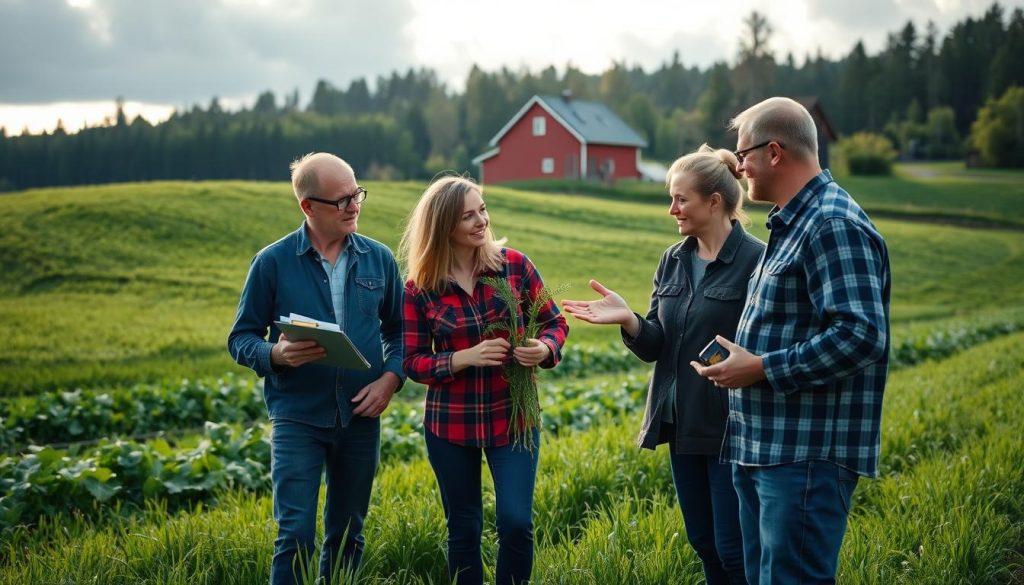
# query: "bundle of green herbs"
{"type": "Point", "coordinates": [522, 381]}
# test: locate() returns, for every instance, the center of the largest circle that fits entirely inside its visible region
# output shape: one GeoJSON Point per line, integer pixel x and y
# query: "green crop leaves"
{"type": "Point", "coordinates": [47, 481]}
{"type": "Point", "coordinates": [86, 415]}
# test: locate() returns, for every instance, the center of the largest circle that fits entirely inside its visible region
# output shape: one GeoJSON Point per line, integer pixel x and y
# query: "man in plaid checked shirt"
{"type": "Point", "coordinates": [809, 364]}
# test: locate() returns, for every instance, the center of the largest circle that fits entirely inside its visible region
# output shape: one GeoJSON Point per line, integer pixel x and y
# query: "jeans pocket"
{"type": "Point", "coordinates": [846, 483]}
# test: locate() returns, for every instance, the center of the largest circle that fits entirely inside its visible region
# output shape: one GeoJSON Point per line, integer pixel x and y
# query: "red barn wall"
{"type": "Point", "coordinates": [624, 158]}
{"type": "Point", "coordinates": [522, 152]}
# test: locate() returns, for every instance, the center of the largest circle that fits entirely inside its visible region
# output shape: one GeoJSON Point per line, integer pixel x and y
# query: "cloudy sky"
{"type": "Point", "coordinates": [71, 58]}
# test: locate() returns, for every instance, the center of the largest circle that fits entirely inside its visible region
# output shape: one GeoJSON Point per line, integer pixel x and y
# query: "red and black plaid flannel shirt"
{"type": "Point", "coordinates": [471, 407]}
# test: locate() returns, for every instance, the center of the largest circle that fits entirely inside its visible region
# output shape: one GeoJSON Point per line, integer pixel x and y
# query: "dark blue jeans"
{"type": "Point", "coordinates": [514, 470]}
{"type": "Point", "coordinates": [299, 454]}
{"type": "Point", "coordinates": [793, 518]}
{"type": "Point", "coordinates": [711, 513]}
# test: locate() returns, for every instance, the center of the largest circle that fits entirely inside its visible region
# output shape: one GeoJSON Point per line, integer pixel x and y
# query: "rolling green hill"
{"type": "Point", "coordinates": [136, 282]}
{"type": "Point", "coordinates": [943, 192]}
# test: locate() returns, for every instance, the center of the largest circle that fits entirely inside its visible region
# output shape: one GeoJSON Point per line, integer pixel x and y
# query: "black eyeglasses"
{"type": "Point", "coordinates": [742, 154]}
{"type": "Point", "coordinates": [359, 196]}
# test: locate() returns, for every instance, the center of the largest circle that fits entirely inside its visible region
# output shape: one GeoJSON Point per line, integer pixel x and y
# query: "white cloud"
{"type": "Point", "coordinates": [186, 51]}
{"type": "Point", "coordinates": [589, 34]}
{"type": "Point", "coordinates": [189, 50]}
{"type": "Point", "coordinates": [593, 34]}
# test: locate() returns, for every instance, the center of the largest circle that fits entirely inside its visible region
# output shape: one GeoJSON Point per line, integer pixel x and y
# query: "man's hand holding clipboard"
{"type": "Point", "coordinates": [335, 348]}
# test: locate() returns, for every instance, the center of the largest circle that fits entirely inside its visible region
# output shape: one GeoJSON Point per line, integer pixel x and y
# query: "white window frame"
{"type": "Point", "coordinates": [547, 165]}
{"type": "Point", "coordinates": [540, 126]}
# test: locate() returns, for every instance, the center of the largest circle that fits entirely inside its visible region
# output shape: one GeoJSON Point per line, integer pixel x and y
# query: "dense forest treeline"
{"type": "Point", "coordinates": [923, 91]}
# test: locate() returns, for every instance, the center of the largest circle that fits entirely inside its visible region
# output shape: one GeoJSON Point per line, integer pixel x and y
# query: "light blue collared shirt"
{"type": "Point", "coordinates": [336, 275]}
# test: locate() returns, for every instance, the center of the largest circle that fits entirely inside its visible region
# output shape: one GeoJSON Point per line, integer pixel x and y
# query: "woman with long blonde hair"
{"type": "Point", "coordinates": [447, 247]}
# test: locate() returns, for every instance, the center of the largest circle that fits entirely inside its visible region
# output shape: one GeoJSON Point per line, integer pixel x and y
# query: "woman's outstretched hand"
{"type": "Point", "coordinates": [610, 309]}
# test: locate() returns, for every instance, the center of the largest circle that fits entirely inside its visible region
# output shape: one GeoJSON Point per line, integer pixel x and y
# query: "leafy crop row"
{"type": "Point", "coordinates": [946, 510]}
{"type": "Point", "coordinates": [84, 415]}
{"type": "Point", "coordinates": [91, 414]}
{"type": "Point", "coordinates": [46, 480]}
{"type": "Point", "coordinates": [939, 344]}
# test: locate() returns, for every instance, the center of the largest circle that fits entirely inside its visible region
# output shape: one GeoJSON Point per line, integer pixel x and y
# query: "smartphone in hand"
{"type": "Point", "coordinates": [712, 353]}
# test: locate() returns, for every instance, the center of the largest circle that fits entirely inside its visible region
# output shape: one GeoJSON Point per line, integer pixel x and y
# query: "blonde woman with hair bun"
{"type": "Point", "coordinates": [700, 287]}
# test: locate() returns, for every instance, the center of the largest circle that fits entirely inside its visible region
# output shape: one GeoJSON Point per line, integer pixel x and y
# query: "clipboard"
{"type": "Point", "coordinates": [340, 350]}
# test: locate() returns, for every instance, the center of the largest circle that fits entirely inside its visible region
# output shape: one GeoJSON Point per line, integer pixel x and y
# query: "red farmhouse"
{"type": "Point", "coordinates": [564, 138]}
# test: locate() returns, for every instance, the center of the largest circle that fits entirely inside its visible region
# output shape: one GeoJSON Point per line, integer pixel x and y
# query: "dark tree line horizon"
{"type": "Point", "coordinates": [921, 91]}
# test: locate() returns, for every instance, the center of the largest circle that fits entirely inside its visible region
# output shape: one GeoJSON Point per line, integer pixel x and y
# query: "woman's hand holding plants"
{"type": "Point", "coordinates": [489, 352]}
{"type": "Point", "coordinates": [532, 354]}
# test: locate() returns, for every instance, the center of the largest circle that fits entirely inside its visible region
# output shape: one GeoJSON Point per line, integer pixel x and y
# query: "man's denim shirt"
{"type": "Point", "coordinates": [287, 277]}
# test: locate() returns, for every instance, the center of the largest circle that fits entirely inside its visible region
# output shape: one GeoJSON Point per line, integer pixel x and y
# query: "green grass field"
{"type": "Point", "coordinates": [116, 285]}
{"type": "Point", "coordinates": [128, 283]}
{"type": "Point", "coordinates": [945, 191]}
{"type": "Point", "coordinates": [947, 509]}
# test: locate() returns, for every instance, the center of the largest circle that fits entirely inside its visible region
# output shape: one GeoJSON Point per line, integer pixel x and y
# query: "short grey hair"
{"type": "Point", "coordinates": [305, 180]}
{"type": "Point", "coordinates": [782, 120]}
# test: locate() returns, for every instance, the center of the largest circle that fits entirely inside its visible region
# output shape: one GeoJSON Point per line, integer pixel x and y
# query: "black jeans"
{"type": "Point", "coordinates": [711, 512]}
{"type": "Point", "coordinates": [514, 470]}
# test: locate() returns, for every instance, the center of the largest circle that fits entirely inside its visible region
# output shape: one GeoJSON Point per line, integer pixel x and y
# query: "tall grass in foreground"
{"type": "Point", "coordinates": [947, 510]}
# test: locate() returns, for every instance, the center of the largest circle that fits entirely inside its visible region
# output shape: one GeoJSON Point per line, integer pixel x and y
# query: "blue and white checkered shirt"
{"type": "Point", "coordinates": [818, 313]}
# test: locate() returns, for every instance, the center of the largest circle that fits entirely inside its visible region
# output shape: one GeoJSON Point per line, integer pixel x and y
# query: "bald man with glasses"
{"type": "Point", "coordinates": [808, 369]}
{"type": "Point", "coordinates": [324, 418]}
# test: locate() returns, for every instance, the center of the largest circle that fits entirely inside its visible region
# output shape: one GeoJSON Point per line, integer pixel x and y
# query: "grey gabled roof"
{"type": "Point", "coordinates": [591, 122]}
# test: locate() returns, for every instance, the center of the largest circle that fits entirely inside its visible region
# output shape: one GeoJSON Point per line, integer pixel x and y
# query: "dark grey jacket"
{"type": "Point", "coordinates": [678, 325]}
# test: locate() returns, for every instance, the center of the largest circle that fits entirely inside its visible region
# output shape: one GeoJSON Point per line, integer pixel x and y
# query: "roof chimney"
{"type": "Point", "coordinates": [567, 95]}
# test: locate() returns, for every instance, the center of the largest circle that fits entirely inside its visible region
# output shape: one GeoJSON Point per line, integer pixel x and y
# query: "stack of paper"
{"type": "Point", "coordinates": [304, 321]}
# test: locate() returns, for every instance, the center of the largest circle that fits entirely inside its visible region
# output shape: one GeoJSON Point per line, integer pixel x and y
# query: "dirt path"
{"type": "Point", "coordinates": [938, 219]}
{"type": "Point", "coordinates": [926, 172]}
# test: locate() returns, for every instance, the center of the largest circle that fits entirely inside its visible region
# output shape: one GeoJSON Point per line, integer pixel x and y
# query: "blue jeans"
{"type": "Point", "coordinates": [514, 471]}
{"type": "Point", "coordinates": [711, 513]}
{"type": "Point", "coordinates": [793, 518]}
{"type": "Point", "coordinates": [299, 453]}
